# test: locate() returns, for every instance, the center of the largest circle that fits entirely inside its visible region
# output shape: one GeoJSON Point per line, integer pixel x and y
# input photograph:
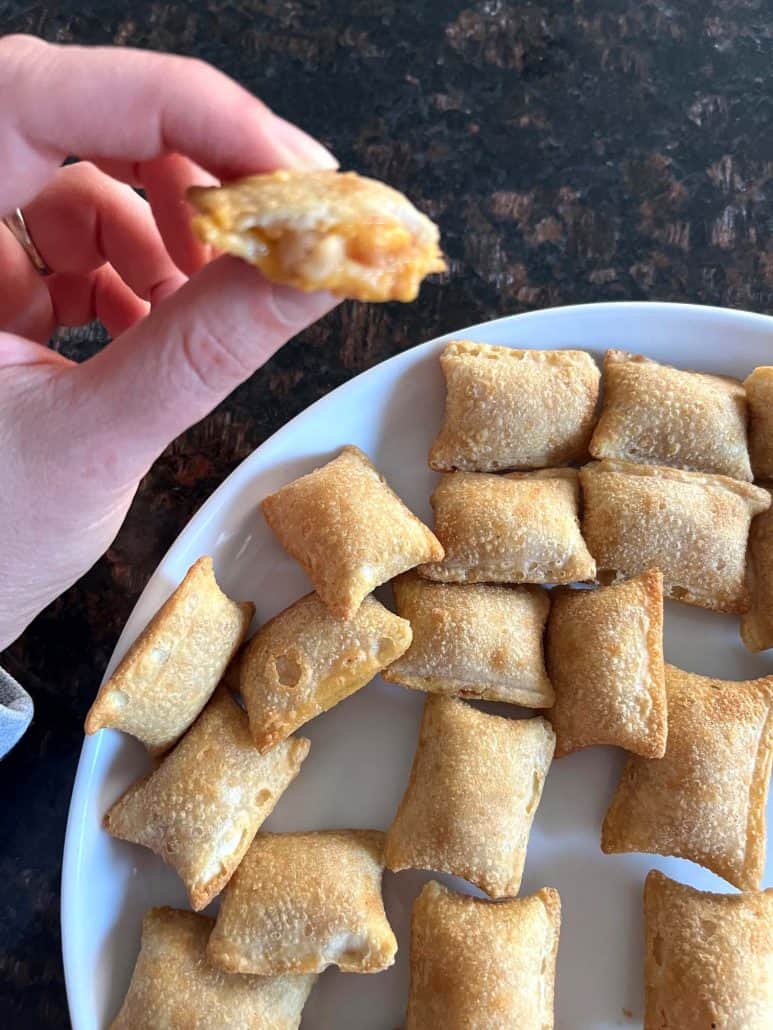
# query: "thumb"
{"type": "Point", "coordinates": [172, 368]}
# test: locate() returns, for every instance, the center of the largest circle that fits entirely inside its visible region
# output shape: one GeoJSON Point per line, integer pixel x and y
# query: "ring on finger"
{"type": "Point", "coordinates": [18, 227]}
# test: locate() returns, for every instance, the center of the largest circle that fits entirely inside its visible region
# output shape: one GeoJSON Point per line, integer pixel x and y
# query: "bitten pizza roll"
{"type": "Point", "coordinates": [322, 230]}
{"type": "Point", "coordinates": [658, 415]}
{"type": "Point", "coordinates": [475, 785]}
{"type": "Point", "coordinates": [692, 526]}
{"type": "Point", "coordinates": [514, 409]}
{"type": "Point", "coordinates": [301, 902]}
{"type": "Point", "coordinates": [757, 624]}
{"type": "Point", "coordinates": [474, 640]}
{"type": "Point", "coordinates": [705, 799]}
{"type": "Point", "coordinates": [348, 530]}
{"type": "Point", "coordinates": [173, 984]}
{"type": "Point", "coordinates": [604, 650]}
{"type": "Point", "coordinates": [201, 808]}
{"type": "Point", "coordinates": [172, 668]}
{"type": "Point", "coordinates": [305, 660]}
{"type": "Point", "coordinates": [518, 528]}
{"type": "Point", "coordinates": [759, 396]}
{"type": "Point", "coordinates": [483, 965]}
{"type": "Point", "coordinates": [708, 958]}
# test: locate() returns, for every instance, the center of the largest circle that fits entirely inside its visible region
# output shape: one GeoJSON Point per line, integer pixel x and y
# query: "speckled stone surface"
{"type": "Point", "coordinates": [571, 152]}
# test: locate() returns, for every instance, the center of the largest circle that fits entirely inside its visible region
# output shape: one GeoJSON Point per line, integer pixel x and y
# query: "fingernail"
{"type": "Point", "coordinates": [306, 150]}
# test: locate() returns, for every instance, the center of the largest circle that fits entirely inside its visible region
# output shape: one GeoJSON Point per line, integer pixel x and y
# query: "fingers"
{"type": "Point", "coordinates": [170, 370]}
{"type": "Point", "coordinates": [84, 219]}
{"type": "Point", "coordinates": [132, 106]}
{"type": "Point", "coordinates": [102, 294]}
{"type": "Point", "coordinates": [165, 181]}
{"type": "Point", "coordinates": [25, 306]}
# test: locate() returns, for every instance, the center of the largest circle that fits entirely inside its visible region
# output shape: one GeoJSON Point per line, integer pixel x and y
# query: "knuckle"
{"type": "Point", "coordinates": [214, 364]}
{"type": "Point", "coordinates": [19, 54]}
{"type": "Point", "coordinates": [82, 176]}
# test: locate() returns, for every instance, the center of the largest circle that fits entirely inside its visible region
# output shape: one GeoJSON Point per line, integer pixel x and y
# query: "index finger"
{"type": "Point", "coordinates": [131, 105]}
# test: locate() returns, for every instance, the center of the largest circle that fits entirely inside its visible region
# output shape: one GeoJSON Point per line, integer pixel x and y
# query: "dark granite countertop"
{"type": "Point", "coordinates": [571, 152]}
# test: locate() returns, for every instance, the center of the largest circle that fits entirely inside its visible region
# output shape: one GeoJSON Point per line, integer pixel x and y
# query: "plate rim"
{"type": "Point", "coordinates": [91, 746]}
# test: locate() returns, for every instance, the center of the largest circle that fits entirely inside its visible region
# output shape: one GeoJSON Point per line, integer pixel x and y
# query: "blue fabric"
{"type": "Point", "coordinates": [16, 711]}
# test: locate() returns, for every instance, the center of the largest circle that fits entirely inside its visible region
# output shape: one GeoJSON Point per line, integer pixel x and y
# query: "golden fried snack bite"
{"type": "Point", "coordinates": [305, 660]}
{"type": "Point", "coordinates": [348, 530]}
{"type": "Point", "coordinates": [705, 798]}
{"type": "Point", "coordinates": [514, 409]}
{"type": "Point", "coordinates": [322, 230]}
{"type": "Point", "coordinates": [172, 668]}
{"type": "Point", "coordinates": [708, 958]}
{"type": "Point", "coordinates": [604, 651]}
{"type": "Point", "coordinates": [654, 414]}
{"type": "Point", "coordinates": [201, 808]}
{"type": "Point", "coordinates": [174, 985]}
{"type": "Point", "coordinates": [301, 902]}
{"type": "Point", "coordinates": [759, 396]}
{"type": "Point", "coordinates": [483, 965]}
{"type": "Point", "coordinates": [518, 528]}
{"type": "Point", "coordinates": [474, 787]}
{"type": "Point", "coordinates": [757, 623]}
{"type": "Point", "coordinates": [693, 526]}
{"type": "Point", "coordinates": [473, 640]}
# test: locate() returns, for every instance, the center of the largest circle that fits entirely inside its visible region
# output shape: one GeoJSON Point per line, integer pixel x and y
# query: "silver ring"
{"type": "Point", "coordinates": [18, 227]}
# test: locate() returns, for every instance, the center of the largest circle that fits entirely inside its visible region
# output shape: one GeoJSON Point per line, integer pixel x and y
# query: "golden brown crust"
{"type": "Point", "coordinates": [174, 986]}
{"type": "Point", "coordinates": [201, 808]}
{"type": "Point", "coordinates": [705, 799]}
{"type": "Point", "coordinates": [759, 395]}
{"type": "Point", "coordinates": [322, 230]}
{"type": "Point", "coordinates": [655, 414]}
{"type": "Point", "coordinates": [474, 641]}
{"type": "Point", "coordinates": [709, 958]}
{"type": "Point", "coordinates": [475, 785]}
{"type": "Point", "coordinates": [604, 650]}
{"type": "Point", "coordinates": [305, 660]}
{"type": "Point", "coordinates": [172, 668]}
{"type": "Point", "coordinates": [691, 525]}
{"type": "Point", "coordinates": [300, 902]}
{"type": "Point", "coordinates": [348, 530]}
{"type": "Point", "coordinates": [757, 623]}
{"type": "Point", "coordinates": [514, 409]}
{"type": "Point", "coordinates": [480, 965]}
{"type": "Point", "coordinates": [518, 528]}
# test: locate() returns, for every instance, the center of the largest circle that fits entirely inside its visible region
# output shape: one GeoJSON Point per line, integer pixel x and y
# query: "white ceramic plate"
{"type": "Point", "coordinates": [362, 750]}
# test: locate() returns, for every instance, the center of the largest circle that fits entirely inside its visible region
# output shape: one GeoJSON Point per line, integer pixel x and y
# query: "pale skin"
{"type": "Point", "coordinates": [75, 439]}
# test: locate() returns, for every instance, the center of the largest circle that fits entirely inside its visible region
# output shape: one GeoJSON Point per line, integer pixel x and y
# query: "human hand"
{"type": "Point", "coordinates": [76, 439]}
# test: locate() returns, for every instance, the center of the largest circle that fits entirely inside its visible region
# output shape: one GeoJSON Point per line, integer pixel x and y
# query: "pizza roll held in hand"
{"type": "Point", "coordinates": [757, 624]}
{"type": "Point", "coordinates": [172, 668]}
{"type": "Point", "coordinates": [483, 965]}
{"type": "Point", "coordinates": [604, 650]}
{"type": "Point", "coordinates": [301, 902]}
{"type": "Point", "coordinates": [658, 415]}
{"type": "Point", "coordinates": [709, 958]}
{"type": "Point", "coordinates": [705, 799]}
{"type": "Point", "coordinates": [174, 985]}
{"type": "Point", "coordinates": [691, 525]}
{"type": "Point", "coordinates": [475, 785]}
{"type": "Point", "coordinates": [759, 396]}
{"type": "Point", "coordinates": [518, 528]}
{"type": "Point", "coordinates": [201, 808]}
{"type": "Point", "coordinates": [305, 660]}
{"type": "Point", "coordinates": [474, 640]}
{"type": "Point", "coordinates": [514, 409]}
{"type": "Point", "coordinates": [348, 530]}
{"type": "Point", "coordinates": [322, 230]}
